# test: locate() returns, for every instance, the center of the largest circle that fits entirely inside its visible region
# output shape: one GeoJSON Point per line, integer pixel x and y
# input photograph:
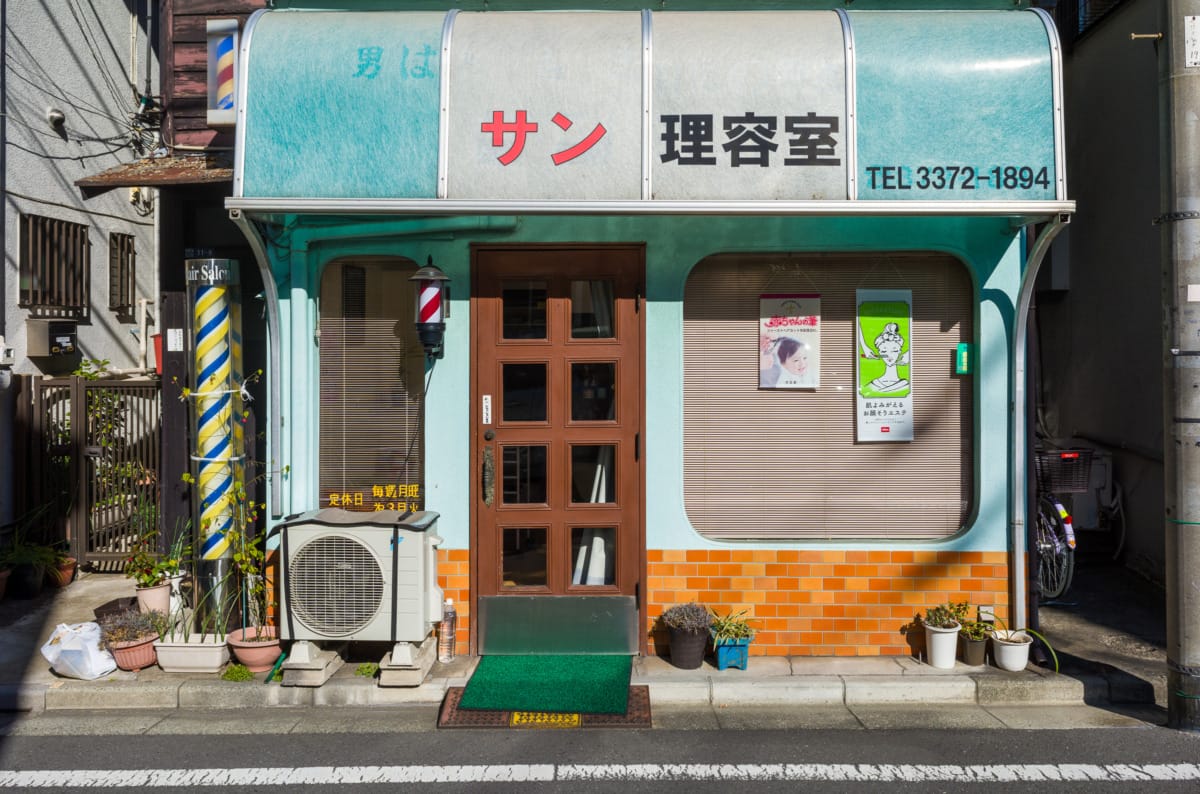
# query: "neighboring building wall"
{"type": "Point", "coordinates": [1102, 338]}
{"type": "Point", "coordinates": [90, 64]}
{"type": "Point", "coordinates": [185, 83]}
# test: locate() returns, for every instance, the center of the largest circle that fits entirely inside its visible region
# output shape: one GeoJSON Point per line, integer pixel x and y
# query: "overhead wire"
{"type": "Point", "coordinates": [91, 39]}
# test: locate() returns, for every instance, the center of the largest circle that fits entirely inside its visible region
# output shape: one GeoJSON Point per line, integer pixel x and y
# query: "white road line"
{"type": "Point", "coordinates": [542, 773]}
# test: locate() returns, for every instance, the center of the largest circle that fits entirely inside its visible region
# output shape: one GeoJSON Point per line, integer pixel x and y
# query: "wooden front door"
{"type": "Point", "coordinates": [557, 394]}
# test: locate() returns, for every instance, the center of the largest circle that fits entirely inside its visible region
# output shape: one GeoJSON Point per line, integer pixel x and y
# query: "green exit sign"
{"type": "Point", "coordinates": [962, 359]}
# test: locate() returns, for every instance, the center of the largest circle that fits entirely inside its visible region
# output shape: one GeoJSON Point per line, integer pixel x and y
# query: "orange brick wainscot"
{"type": "Point", "coordinates": [823, 603]}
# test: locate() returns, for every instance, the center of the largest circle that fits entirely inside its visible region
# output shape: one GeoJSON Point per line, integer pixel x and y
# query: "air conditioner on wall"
{"type": "Point", "coordinates": [358, 576]}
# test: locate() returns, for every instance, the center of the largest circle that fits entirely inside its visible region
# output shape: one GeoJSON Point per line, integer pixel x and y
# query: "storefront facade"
{"type": "Point", "coordinates": [734, 310]}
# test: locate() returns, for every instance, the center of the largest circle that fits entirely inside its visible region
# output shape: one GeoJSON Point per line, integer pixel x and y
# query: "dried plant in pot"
{"type": "Point", "coordinates": [687, 626]}
{"type": "Point", "coordinates": [130, 634]}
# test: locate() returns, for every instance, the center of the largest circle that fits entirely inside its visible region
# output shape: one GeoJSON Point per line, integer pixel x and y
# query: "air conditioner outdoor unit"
{"type": "Point", "coordinates": [359, 576]}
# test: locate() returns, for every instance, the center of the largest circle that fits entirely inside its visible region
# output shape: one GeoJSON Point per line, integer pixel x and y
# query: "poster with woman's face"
{"type": "Point", "coordinates": [789, 341]}
{"type": "Point", "coordinates": [883, 327]}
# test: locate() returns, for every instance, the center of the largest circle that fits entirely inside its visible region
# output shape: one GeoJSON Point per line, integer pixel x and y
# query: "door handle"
{"type": "Point", "coordinates": [489, 476]}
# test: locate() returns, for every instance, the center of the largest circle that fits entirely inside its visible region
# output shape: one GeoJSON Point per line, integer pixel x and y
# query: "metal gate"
{"type": "Point", "coordinates": [93, 450]}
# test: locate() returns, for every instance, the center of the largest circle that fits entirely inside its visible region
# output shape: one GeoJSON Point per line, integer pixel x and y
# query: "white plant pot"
{"type": "Point", "coordinates": [1010, 649]}
{"type": "Point", "coordinates": [941, 646]}
{"type": "Point", "coordinates": [201, 653]}
{"type": "Point", "coordinates": [176, 607]}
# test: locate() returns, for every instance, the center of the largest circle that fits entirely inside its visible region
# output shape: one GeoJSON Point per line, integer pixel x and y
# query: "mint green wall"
{"type": "Point", "coordinates": [989, 247]}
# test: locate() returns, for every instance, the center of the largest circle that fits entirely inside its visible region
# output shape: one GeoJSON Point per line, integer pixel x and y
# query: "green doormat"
{"type": "Point", "coordinates": [572, 684]}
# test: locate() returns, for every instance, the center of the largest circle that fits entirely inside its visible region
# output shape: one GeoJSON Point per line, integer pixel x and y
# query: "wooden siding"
{"type": "Point", "coordinates": [185, 78]}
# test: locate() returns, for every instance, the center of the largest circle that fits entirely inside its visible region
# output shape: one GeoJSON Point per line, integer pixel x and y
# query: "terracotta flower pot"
{"type": "Point", "coordinates": [135, 654]}
{"type": "Point", "coordinates": [63, 573]}
{"type": "Point", "coordinates": [259, 655]}
{"type": "Point", "coordinates": [156, 598]}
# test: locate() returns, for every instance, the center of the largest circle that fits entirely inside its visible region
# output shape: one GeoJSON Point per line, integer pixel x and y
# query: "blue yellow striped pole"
{"type": "Point", "coordinates": [218, 443]}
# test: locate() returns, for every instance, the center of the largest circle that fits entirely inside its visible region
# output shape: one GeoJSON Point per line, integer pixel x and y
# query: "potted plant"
{"type": "Point", "coordinates": [129, 634]}
{"type": "Point", "coordinates": [687, 625]}
{"type": "Point", "coordinates": [29, 563]}
{"type": "Point", "coordinates": [972, 641]}
{"type": "Point", "coordinates": [63, 571]}
{"type": "Point", "coordinates": [1010, 647]}
{"type": "Point", "coordinates": [256, 644]}
{"type": "Point", "coordinates": [148, 571]}
{"type": "Point", "coordinates": [942, 624]}
{"type": "Point", "coordinates": [731, 635]}
{"type": "Point", "coordinates": [182, 648]}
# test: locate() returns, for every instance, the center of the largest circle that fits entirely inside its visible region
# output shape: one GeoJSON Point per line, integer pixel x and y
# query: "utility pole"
{"type": "Point", "coordinates": [1179, 91]}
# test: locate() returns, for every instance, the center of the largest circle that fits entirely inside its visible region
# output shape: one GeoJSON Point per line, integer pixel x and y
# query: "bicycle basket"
{"type": "Point", "coordinates": [1063, 470]}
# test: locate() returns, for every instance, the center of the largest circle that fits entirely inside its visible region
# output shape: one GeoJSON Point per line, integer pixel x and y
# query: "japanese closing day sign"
{"type": "Point", "coordinates": [789, 341]}
{"type": "Point", "coordinates": [884, 353]}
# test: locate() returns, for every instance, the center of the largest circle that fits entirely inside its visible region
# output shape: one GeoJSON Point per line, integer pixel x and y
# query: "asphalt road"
{"type": "Point", "coordinates": [251, 751]}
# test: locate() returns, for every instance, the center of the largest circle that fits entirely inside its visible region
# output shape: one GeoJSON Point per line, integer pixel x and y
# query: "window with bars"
{"type": "Point", "coordinates": [55, 267]}
{"type": "Point", "coordinates": [122, 272]}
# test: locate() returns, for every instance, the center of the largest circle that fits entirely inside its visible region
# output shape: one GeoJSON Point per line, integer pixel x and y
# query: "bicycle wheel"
{"type": "Point", "coordinates": [1056, 558]}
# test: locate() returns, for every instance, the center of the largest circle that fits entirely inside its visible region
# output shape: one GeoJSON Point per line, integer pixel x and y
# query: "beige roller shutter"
{"type": "Point", "coordinates": [784, 464]}
{"type": "Point", "coordinates": [372, 370]}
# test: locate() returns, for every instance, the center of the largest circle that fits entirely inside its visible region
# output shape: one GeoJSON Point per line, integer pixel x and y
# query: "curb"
{"type": "Point", "coordinates": [1031, 687]}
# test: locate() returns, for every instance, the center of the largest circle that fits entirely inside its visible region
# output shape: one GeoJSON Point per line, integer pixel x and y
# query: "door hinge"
{"type": "Point", "coordinates": [637, 446]}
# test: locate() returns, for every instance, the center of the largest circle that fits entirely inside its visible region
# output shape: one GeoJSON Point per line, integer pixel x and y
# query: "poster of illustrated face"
{"type": "Point", "coordinates": [789, 341]}
{"type": "Point", "coordinates": [884, 353]}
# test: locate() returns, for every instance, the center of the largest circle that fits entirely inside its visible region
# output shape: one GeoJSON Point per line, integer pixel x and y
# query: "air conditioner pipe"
{"type": "Point", "coordinates": [143, 351]}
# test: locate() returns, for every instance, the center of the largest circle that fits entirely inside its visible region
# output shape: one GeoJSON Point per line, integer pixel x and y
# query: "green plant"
{"type": "Point", "coordinates": [1031, 633]}
{"type": "Point", "coordinates": [145, 566]}
{"type": "Point", "coordinates": [237, 672]}
{"type": "Point", "coordinates": [734, 626]}
{"type": "Point", "coordinates": [367, 669]}
{"type": "Point", "coordinates": [130, 624]}
{"type": "Point", "coordinates": [947, 615]}
{"type": "Point", "coordinates": [687, 617]}
{"type": "Point", "coordinates": [41, 557]}
{"type": "Point", "coordinates": [976, 629]}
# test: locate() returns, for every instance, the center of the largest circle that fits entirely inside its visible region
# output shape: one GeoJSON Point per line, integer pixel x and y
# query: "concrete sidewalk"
{"type": "Point", "coordinates": [28, 684]}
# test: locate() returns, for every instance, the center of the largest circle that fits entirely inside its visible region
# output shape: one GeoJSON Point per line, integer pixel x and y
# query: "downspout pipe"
{"type": "Point", "coordinates": [392, 228]}
{"type": "Point", "coordinates": [1019, 508]}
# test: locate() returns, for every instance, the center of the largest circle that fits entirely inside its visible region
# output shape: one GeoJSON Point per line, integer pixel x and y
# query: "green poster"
{"type": "Point", "coordinates": [884, 354]}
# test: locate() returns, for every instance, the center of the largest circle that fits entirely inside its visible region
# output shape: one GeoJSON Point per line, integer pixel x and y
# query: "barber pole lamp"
{"type": "Point", "coordinates": [218, 442]}
{"type": "Point", "coordinates": [431, 288]}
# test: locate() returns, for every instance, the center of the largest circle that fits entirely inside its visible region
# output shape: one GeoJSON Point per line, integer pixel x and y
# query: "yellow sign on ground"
{"type": "Point", "coordinates": [543, 719]}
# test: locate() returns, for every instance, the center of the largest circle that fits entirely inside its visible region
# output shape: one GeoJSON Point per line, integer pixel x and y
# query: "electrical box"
{"type": "Point", "coordinates": [49, 337]}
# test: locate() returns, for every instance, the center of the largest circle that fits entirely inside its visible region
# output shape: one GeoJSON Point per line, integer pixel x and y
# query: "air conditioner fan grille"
{"type": "Point", "coordinates": [335, 586]}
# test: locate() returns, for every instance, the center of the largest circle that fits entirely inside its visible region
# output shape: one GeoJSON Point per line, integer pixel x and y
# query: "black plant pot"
{"type": "Point", "coordinates": [25, 581]}
{"type": "Point", "coordinates": [687, 648]}
{"type": "Point", "coordinates": [972, 651]}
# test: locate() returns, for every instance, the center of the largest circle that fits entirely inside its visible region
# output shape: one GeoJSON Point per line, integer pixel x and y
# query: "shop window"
{"type": "Point", "coordinates": [372, 382]}
{"type": "Point", "coordinates": [784, 463]}
{"type": "Point", "coordinates": [122, 272]}
{"type": "Point", "coordinates": [55, 267]}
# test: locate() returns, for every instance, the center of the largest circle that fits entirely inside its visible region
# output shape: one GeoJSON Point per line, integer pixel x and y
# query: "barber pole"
{"type": "Point", "coordinates": [431, 283]}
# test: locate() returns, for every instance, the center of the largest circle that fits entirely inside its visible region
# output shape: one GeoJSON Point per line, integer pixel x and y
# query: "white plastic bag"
{"type": "Point", "coordinates": [74, 651]}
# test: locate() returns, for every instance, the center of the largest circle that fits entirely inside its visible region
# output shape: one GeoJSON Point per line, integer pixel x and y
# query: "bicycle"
{"type": "Point", "coordinates": [1055, 538]}
{"type": "Point", "coordinates": [1058, 470]}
